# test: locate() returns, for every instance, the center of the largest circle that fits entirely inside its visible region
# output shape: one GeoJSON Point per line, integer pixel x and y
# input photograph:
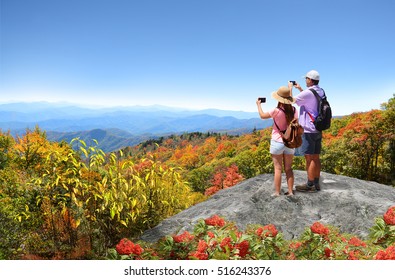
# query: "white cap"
{"type": "Point", "coordinates": [314, 75]}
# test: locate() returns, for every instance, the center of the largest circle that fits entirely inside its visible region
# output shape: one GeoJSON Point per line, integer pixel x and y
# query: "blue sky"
{"type": "Point", "coordinates": [195, 53]}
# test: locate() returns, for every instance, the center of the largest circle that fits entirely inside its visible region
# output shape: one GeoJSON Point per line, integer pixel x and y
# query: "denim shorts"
{"type": "Point", "coordinates": [278, 148]}
{"type": "Point", "coordinates": [311, 144]}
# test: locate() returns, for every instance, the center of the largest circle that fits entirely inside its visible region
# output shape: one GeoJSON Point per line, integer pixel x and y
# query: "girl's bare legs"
{"type": "Point", "coordinates": [278, 168]}
{"type": "Point", "coordinates": [289, 172]}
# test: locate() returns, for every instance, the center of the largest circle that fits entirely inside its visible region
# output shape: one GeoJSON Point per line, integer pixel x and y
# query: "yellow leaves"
{"type": "Point", "coordinates": [84, 151]}
{"type": "Point", "coordinates": [98, 192]}
{"type": "Point", "coordinates": [133, 203]}
{"type": "Point", "coordinates": [57, 181]}
{"type": "Point", "coordinates": [112, 212]}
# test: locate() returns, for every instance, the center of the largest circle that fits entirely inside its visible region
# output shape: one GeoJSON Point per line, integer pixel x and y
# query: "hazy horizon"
{"type": "Point", "coordinates": [197, 55]}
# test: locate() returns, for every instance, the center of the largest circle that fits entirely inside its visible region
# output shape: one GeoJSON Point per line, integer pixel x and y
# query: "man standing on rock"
{"type": "Point", "coordinates": [312, 138]}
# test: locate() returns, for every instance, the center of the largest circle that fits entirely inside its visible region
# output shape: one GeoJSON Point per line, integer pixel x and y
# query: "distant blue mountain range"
{"type": "Point", "coordinates": [122, 126]}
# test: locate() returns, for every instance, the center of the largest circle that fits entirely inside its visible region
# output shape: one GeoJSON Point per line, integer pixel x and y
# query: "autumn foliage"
{"type": "Point", "coordinates": [62, 203]}
{"type": "Point", "coordinates": [73, 201]}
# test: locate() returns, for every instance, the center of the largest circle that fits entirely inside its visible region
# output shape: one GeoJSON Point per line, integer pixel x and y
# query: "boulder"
{"type": "Point", "coordinates": [347, 203]}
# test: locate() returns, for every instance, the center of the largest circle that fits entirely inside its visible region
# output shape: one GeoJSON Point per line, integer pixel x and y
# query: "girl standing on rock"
{"type": "Point", "coordinates": [283, 114]}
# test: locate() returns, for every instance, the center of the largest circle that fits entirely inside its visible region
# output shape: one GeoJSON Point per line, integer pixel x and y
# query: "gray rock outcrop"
{"type": "Point", "coordinates": [347, 203]}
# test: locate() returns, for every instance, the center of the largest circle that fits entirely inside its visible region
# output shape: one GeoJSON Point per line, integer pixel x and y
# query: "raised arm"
{"type": "Point", "coordinates": [262, 115]}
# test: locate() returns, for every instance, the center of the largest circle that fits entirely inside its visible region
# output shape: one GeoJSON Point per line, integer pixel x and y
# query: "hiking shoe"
{"type": "Point", "coordinates": [317, 188]}
{"type": "Point", "coordinates": [306, 188]}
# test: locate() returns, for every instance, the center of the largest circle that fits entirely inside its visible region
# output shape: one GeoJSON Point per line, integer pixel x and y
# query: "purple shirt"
{"type": "Point", "coordinates": [308, 103]}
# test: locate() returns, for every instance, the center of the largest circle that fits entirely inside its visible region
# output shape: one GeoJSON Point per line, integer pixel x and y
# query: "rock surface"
{"type": "Point", "coordinates": [347, 203]}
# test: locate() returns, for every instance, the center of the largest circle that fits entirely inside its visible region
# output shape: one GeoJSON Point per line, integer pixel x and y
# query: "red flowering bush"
{"type": "Point", "coordinates": [127, 247]}
{"type": "Point", "coordinates": [356, 242]}
{"type": "Point", "coordinates": [295, 245]}
{"type": "Point", "coordinates": [388, 254]}
{"type": "Point", "coordinates": [389, 216]}
{"type": "Point", "coordinates": [383, 232]}
{"type": "Point", "coordinates": [215, 221]}
{"type": "Point", "coordinates": [184, 237]}
{"type": "Point", "coordinates": [201, 252]}
{"type": "Point", "coordinates": [319, 228]}
{"type": "Point", "coordinates": [243, 248]}
{"type": "Point", "coordinates": [328, 253]}
{"type": "Point", "coordinates": [226, 244]}
{"type": "Point", "coordinates": [210, 234]}
{"type": "Point", "coordinates": [179, 247]}
{"type": "Point", "coordinates": [265, 242]}
{"type": "Point", "coordinates": [215, 238]}
{"type": "Point", "coordinates": [202, 246]}
{"type": "Point", "coordinates": [317, 242]}
{"type": "Point", "coordinates": [354, 249]}
{"type": "Point", "coordinates": [268, 230]}
{"type": "Point", "coordinates": [124, 247]}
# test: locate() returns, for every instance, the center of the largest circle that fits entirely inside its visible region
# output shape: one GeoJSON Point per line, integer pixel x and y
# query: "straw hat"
{"type": "Point", "coordinates": [283, 95]}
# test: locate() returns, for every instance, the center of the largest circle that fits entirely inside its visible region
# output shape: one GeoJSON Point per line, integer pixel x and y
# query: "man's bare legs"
{"type": "Point", "coordinates": [313, 166]}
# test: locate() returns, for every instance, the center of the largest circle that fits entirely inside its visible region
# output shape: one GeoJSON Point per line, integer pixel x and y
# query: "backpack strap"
{"type": "Point", "coordinates": [318, 101]}
{"type": "Point", "coordinates": [282, 131]}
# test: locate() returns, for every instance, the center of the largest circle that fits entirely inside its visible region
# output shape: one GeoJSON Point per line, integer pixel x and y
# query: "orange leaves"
{"type": "Point", "coordinates": [34, 150]}
{"type": "Point", "coordinates": [357, 126]}
{"type": "Point", "coordinates": [186, 157]}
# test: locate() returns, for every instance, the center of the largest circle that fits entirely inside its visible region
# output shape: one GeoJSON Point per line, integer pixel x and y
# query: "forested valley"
{"type": "Point", "coordinates": [63, 200]}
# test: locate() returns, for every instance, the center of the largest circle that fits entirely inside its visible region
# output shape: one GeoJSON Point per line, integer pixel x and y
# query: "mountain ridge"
{"type": "Point", "coordinates": [138, 123]}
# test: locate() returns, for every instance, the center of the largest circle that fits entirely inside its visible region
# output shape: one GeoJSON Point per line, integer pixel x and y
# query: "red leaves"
{"type": "Point", "coordinates": [224, 179]}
